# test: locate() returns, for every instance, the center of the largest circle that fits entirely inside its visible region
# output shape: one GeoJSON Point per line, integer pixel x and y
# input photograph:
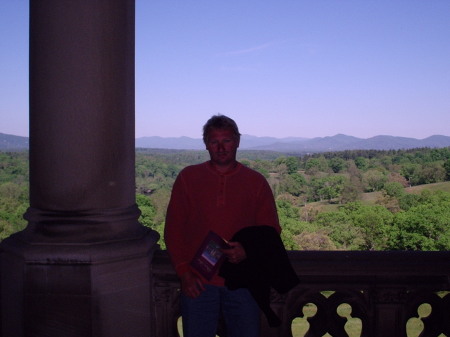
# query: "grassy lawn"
{"type": "Point", "coordinates": [372, 197]}
{"type": "Point", "coordinates": [443, 186]}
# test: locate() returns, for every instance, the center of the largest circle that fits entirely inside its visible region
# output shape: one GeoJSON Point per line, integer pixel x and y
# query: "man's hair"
{"type": "Point", "coordinates": [220, 122]}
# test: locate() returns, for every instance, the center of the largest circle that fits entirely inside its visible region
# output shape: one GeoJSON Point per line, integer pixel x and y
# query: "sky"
{"type": "Point", "coordinates": [279, 68]}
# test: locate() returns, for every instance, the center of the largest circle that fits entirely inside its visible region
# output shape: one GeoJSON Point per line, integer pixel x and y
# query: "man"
{"type": "Point", "coordinates": [223, 196]}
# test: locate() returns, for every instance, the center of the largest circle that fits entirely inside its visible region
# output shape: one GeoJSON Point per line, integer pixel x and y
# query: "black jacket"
{"type": "Point", "coordinates": [266, 266]}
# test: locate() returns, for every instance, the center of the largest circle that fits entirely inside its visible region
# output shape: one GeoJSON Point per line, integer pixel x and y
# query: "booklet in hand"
{"type": "Point", "coordinates": [209, 257]}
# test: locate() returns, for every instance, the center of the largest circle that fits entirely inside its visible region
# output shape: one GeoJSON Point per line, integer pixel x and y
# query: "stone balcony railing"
{"type": "Point", "coordinates": [383, 290]}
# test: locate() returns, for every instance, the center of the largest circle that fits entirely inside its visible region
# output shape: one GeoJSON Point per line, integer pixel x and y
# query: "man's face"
{"type": "Point", "coordinates": [222, 146]}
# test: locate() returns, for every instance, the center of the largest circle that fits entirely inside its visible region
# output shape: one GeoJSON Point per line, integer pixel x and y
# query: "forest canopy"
{"type": "Point", "coordinates": [350, 200]}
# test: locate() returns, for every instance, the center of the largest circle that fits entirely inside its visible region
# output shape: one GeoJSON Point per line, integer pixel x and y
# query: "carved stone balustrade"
{"type": "Point", "coordinates": [382, 289]}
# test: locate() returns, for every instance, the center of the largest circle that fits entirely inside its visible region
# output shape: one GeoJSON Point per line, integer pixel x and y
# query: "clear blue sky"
{"type": "Point", "coordinates": [278, 67]}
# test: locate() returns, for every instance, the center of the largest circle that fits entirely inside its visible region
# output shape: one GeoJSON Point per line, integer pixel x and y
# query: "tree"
{"type": "Point", "coordinates": [314, 241]}
{"type": "Point", "coordinates": [361, 163]}
{"type": "Point", "coordinates": [261, 166]}
{"type": "Point", "coordinates": [390, 197]}
{"type": "Point", "coordinates": [147, 217]}
{"type": "Point", "coordinates": [289, 221]}
{"type": "Point", "coordinates": [397, 178]}
{"type": "Point", "coordinates": [292, 165]}
{"type": "Point", "coordinates": [351, 191]}
{"type": "Point", "coordinates": [408, 200]}
{"type": "Point", "coordinates": [447, 169]}
{"type": "Point", "coordinates": [393, 190]}
{"type": "Point", "coordinates": [340, 229]}
{"type": "Point", "coordinates": [326, 188]}
{"type": "Point", "coordinates": [352, 188]}
{"type": "Point", "coordinates": [423, 227]}
{"type": "Point", "coordinates": [432, 173]}
{"type": "Point", "coordinates": [337, 164]}
{"type": "Point", "coordinates": [315, 165]}
{"type": "Point", "coordinates": [409, 172]}
{"type": "Point", "coordinates": [375, 223]}
{"type": "Point", "coordinates": [13, 204]}
{"type": "Point", "coordinates": [293, 184]}
{"type": "Point", "coordinates": [374, 180]}
{"type": "Point", "coordinates": [160, 200]}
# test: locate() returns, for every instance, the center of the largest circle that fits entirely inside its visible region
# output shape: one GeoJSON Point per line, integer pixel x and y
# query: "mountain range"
{"type": "Point", "coordinates": [338, 142]}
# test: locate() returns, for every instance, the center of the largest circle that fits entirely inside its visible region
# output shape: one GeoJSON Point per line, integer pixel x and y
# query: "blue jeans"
{"type": "Point", "coordinates": [239, 310]}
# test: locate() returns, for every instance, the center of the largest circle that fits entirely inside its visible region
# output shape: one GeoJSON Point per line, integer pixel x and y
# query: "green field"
{"type": "Point", "coordinates": [442, 186]}
{"type": "Point", "coordinates": [372, 197]}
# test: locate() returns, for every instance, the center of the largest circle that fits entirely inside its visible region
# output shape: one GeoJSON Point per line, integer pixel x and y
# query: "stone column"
{"type": "Point", "coordinates": [82, 267]}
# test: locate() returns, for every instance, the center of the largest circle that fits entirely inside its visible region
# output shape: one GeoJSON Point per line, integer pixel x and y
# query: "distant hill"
{"type": "Point", "coordinates": [13, 143]}
{"type": "Point", "coordinates": [186, 143]}
{"type": "Point", "coordinates": [338, 142]}
{"type": "Point", "coordinates": [303, 145]}
{"type": "Point", "coordinates": [175, 143]}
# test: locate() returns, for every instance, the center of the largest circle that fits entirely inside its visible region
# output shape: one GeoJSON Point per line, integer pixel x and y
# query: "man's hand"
{"type": "Point", "coordinates": [236, 253]}
{"type": "Point", "coordinates": [191, 284]}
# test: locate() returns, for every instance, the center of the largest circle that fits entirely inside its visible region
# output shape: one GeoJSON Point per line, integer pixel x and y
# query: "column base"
{"type": "Point", "coordinates": [95, 289]}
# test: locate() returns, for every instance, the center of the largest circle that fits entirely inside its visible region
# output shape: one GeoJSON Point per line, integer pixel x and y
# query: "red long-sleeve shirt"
{"type": "Point", "coordinates": [203, 199]}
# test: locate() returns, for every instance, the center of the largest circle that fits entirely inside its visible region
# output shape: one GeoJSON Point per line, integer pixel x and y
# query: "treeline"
{"type": "Point", "coordinates": [13, 192]}
{"type": "Point", "coordinates": [321, 198]}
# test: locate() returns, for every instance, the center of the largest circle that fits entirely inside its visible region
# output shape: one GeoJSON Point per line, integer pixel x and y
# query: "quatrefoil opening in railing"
{"type": "Point", "coordinates": [330, 313]}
